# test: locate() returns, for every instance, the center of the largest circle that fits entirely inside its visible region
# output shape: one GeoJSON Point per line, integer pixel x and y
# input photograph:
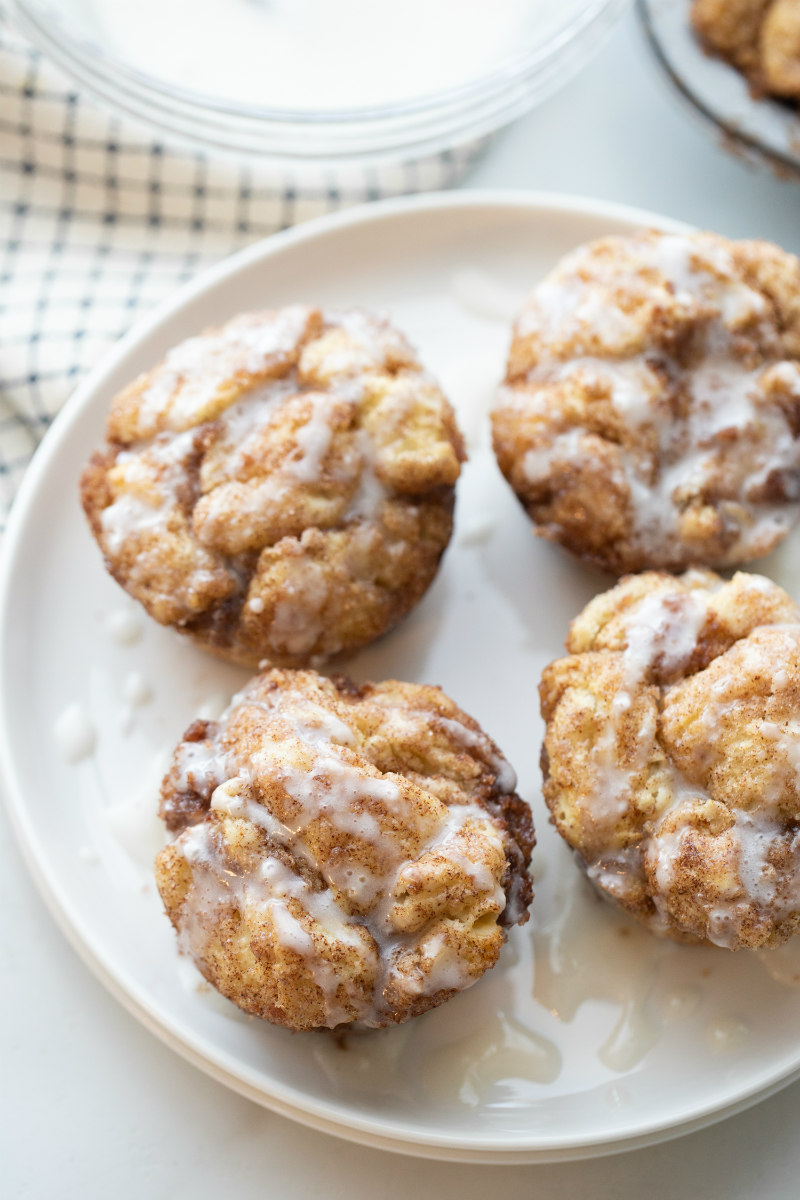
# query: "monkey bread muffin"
{"type": "Point", "coordinates": [650, 415]}
{"type": "Point", "coordinates": [671, 757]}
{"type": "Point", "coordinates": [761, 38]}
{"type": "Point", "coordinates": [342, 854]}
{"type": "Point", "coordinates": [281, 487]}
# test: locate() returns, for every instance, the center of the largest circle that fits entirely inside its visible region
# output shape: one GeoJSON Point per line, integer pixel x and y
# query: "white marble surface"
{"type": "Point", "coordinates": [94, 1106]}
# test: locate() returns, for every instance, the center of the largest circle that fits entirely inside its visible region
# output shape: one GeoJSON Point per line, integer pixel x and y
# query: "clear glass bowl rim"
{"type": "Point", "coordinates": [509, 71]}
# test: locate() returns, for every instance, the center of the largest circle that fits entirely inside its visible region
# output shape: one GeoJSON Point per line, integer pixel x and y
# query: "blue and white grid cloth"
{"type": "Point", "coordinates": [99, 221]}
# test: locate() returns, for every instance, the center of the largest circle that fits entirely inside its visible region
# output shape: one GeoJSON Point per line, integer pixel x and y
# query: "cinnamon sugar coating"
{"type": "Point", "coordinates": [342, 854]}
{"type": "Point", "coordinates": [281, 487]}
{"type": "Point", "coordinates": [672, 750]}
{"type": "Point", "coordinates": [650, 416]}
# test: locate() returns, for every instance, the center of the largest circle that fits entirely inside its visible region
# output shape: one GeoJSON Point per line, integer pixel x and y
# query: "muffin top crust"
{"type": "Point", "coordinates": [672, 750]}
{"type": "Point", "coordinates": [342, 854]}
{"type": "Point", "coordinates": [281, 487]}
{"type": "Point", "coordinates": [650, 416]}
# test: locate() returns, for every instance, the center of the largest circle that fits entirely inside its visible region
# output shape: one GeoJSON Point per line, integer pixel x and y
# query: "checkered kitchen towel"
{"type": "Point", "coordinates": [98, 222]}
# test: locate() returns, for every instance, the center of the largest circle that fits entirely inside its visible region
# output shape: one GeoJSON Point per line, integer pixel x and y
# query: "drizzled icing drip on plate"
{"type": "Point", "coordinates": [672, 753]}
{"type": "Point", "coordinates": [342, 854]}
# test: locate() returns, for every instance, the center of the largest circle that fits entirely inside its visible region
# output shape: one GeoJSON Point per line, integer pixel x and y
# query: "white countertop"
{"type": "Point", "coordinates": [94, 1106]}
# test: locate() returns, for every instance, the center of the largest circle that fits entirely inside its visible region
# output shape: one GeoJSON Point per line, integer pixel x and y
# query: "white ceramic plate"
{"type": "Point", "coordinates": [615, 1039]}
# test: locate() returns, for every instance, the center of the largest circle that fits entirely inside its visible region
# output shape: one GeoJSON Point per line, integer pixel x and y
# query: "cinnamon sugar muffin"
{"type": "Point", "coordinates": [672, 754]}
{"type": "Point", "coordinates": [281, 487]}
{"type": "Point", "coordinates": [342, 854]}
{"type": "Point", "coordinates": [761, 38]}
{"type": "Point", "coordinates": [651, 411]}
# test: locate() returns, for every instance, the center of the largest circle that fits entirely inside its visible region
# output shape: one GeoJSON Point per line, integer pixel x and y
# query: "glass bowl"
{"type": "Point", "coordinates": [321, 80]}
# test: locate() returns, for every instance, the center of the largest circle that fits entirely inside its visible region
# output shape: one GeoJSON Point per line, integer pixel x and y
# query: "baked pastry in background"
{"type": "Point", "coordinates": [672, 750]}
{"type": "Point", "coordinates": [761, 38]}
{"type": "Point", "coordinates": [278, 488]}
{"type": "Point", "coordinates": [650, 415]}
{"type": "Point", "coordinates": [342, 853]}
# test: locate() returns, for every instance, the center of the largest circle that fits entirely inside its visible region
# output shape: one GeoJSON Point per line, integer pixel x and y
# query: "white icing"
{"type": "Point", "coordinates": [133, 820]}
{"type": "Point", "coordinates": [197, 368]}
{"type": "Point", "coordinates": [200, 766]}
{"type": "Point", "coordinates": [136, 690]}
{"type": "Point", "coordinates": [661, 629]}
{"type": "Point", "coordinates": [562, 307]}
{"type": "Point", "coordinates": [337, 793]}
{"type": "Point", "coordinates": [476, 532]}
{"type": "Point", "coordinates": [75, 734]}
{"type": "Point", "coordinates": [564, 447]}
{"type": "Point", "coordinates": [733, 435]}
{"type": "Point", "coordinates": [297, 619]}
{"type": "Point", "coordinates": [787, 374]}
{"type": "Point", "coordinates": [481, 295]}
{"type": "Point", "coordinates": [242, 505]}
{"type": "Point", "coordinates": [151, 480]}
{"type": "Point", "coordinates": [756, 887]}
{"type": "Point", "coordinates": [371, 492]}
{"type": "Point", "coordinates": [237, 507]}
{"type": "Point", "coordinates": [375, 338]}
{"type": "Point", "coordinates": [314, 439]}
{"type": "Point", "coordinates": [294, 462]}
{"type": "Point", "coordinates": [124, 627]}
{"type": "Point", "coordinates": [244, 422]}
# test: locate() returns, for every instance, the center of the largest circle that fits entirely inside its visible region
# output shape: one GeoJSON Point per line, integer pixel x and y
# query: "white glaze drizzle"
{"type": "Point", "coordinates": [197, 368]}
{"type": "Point", "coordinates": [75, 733]}
{"type": "Point", "coordinates": [356, 805]}
{"type": "Point", "coordinates": [148, 497]}
{"type": "Point", "coordinates": [136, 690]}
{"type": "Point", "coordinates": [183, 387]}
{"type": "Point", "coordinates": [730, 426]}
{"type": "Point", "coordinates": [124, 627]}
{"type": "Point", "coordinates": [663, 628]}
{"type": "Point", "coordinates": [482, 295]}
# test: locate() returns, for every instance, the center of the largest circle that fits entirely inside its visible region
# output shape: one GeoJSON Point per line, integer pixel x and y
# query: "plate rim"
{"type": "Point", "coordinates": [316, 1114]}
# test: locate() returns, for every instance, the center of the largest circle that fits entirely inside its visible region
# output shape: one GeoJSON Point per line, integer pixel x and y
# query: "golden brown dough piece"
{"type": "Point", "coordinates": [650, 415]}
{"type": "Point", "coordinates": [281, 487]}
{"type": "Point", "coordinates": [761, 38]}
{"type": "Point", "coordinates": [672, 751]}
{"type": "Point", "coordinates": [342, 854]}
